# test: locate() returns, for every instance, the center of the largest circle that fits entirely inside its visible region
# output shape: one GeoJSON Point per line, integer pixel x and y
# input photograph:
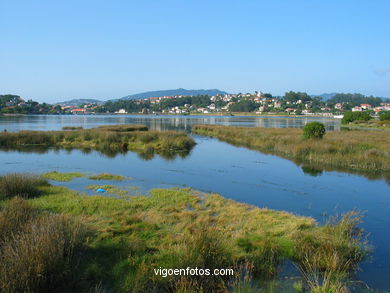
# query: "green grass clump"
{"type": "Point", "coordinates": [62, 177]}
{"type": "Point", "coordinates": [367, 151]}
{"type": "Point", "coordinates": [37, 250]}
{"type": "Point", "coordinates": [23, 185]}
{"type": "Point", "coordinates": [107, 176]}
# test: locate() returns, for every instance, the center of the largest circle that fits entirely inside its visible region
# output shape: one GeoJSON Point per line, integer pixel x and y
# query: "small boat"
{"type": "Point", "coordinates": [338, 116]}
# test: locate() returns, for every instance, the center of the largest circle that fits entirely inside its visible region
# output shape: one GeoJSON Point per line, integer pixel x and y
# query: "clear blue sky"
{"type": "Point", "coordinates": [57, 50]}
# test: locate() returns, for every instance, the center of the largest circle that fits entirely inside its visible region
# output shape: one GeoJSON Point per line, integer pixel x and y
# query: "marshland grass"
{"type": "Point", "coordinates": [69, 176]}
{"type": "Point", "coordinates": [377, 124]}
{"type": "Point", "coordinates": [170, 228]}
{"type": "Point", "coordinates": [38, 250]}
{"type": "Point", "coordinates": [124, 127]}
{"type": "Point", "coordinates": [113, 138]}
{"type": "Point", "coordinates": [347, 150]}
{"type": "Point", "coordinates": [72, 128]}
{"type": "Point", "coordinates": [62, 176]}
{"type": "Point", "coordinates": [107, 176]}
{"type": "Point", "coordinates": [23, 185]}
{"type": "Point", "coordinates": [110, 189]}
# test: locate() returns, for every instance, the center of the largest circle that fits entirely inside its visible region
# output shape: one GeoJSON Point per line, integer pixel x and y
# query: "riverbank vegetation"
{"type": "Point", "coordinates": [347, 150]}
{"type": "Point", "coordinates": [107, 139]}
{"type": "Point", "coordinates": [122, 242]}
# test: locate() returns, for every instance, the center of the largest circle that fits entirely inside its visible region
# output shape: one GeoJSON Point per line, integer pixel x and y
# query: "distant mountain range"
{"type": "Point", "coordinates": [176, 92]}
{"type": "Point", "coordinates": [78, 102]}
{"type": "Point", "coordinates": [146, 95]}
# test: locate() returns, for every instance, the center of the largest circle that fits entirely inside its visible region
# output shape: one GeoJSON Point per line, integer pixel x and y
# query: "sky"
{"type": "Point", "coordinates": [59, 50]}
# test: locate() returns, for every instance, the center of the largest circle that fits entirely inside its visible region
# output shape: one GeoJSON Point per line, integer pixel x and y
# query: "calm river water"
{"type": "Point", "coordinates": [236, 173]}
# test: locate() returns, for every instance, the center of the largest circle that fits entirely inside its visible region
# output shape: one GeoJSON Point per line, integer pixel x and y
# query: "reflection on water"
{"type": "Point", "coordinates": [163, 122]}
{"type": "Point", "coordinates": [148, 154]}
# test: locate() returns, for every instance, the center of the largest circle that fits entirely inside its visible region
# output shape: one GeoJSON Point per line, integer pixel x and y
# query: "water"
{"type": "Point", "coordinates": [161, 122]}
{"type": "Point", "coordinates": [236, 173]}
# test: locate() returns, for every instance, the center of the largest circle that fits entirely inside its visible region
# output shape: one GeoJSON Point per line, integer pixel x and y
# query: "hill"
{"type": "Point", "coordinates": [78, 102]}
{"type": "Point", "coordinates": [175, 92]}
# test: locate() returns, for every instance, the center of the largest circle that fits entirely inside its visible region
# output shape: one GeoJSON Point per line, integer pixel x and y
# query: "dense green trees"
{"type": "Point", "coordinates": [244, 106]}
{"type": "Point", "coordinates": [350, 116]}
{"type": "Point", "coordinates": [296, 96]}
{"type": "Point", "coordinates": [384, 116]}
{"type": "Point", "coordinates": [355, 99]}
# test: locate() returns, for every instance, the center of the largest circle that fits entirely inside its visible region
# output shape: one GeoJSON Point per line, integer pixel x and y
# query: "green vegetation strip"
{"type": "Point", "coordinates": [69, 176]}
{"type": "Point", "coordinates": [350, 150]}
{"type": "Point", "coordinates": [107, 176]}
{"type": "Point", "coordinates": [122, 241]}
{"type": "Point", "coordinates": [112, 138]}
{"type": "Point", "coordinates": [62, 177]}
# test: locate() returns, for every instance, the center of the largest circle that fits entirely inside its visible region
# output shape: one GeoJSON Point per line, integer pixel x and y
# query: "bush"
{"type": "Point", "coordinates": [24, 185]}
{"type": "Point", "coordinates": [350, 116]}
{"type": "Point", "coordinates": [384, 116]}
{"type": "Point", "coordinates": [314, 130]}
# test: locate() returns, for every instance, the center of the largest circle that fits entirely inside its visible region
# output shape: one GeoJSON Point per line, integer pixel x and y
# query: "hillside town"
{"type": "Point", "coordinates": [292, 103]}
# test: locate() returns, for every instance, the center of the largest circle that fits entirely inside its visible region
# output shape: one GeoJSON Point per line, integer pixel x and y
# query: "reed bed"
{"type": "Point", "coordinates": [23, 185]}
{"type": "Point", "coordinates": [350, 150]}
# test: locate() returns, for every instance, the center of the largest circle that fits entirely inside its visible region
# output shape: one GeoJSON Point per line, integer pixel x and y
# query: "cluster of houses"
{"type": "Point", "coordinates": [365, 107]}
{"type": "Point", "coordinates": [222, 103]}
{"type": "Point", "coordinates": [85, 109]}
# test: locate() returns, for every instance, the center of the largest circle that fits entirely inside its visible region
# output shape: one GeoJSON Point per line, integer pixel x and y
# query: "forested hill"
{"type": "Point", "coordinates": [176, 92]}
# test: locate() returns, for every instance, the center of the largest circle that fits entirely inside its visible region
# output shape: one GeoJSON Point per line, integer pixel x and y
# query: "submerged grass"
{"type": "Point", "coordinates": [113, 138]}
{"type": "Point", "coordinates": [351, 150]}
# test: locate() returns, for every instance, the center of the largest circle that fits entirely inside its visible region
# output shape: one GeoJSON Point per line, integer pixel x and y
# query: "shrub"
{"type": "Point", "coordinates": [384, 116]}
{"type": "Point", "coordinates": [24, 185]}
{"type": "Point", "coordinates": [314, 130]}
{"type": "Point", "coordinates": [350, 116]}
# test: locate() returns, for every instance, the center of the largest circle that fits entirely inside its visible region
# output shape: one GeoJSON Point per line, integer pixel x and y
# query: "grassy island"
{"type": "Point", "coordinates": [346, 150]}
{"type": "Point", "coordinates": [110, 138]}
{"type": "Point", "coordinates": [52, 238]}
